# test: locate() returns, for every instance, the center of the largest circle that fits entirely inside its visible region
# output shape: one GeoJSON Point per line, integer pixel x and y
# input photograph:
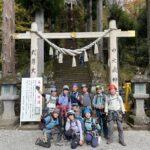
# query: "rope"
{"type": "Point", "coordinates": [72, 52]}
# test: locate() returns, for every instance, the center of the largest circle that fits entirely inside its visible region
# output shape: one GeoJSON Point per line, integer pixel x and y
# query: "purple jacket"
{"type": "Point", "coordinates": [76, 126]}
{"type": "Point", "coordinates": [64, 100]}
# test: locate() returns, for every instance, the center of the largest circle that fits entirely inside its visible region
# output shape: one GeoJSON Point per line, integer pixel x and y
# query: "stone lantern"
{"type": "Point", "coordinates": [8, 97]}
{"type": "Point", "coordinates": [140, 94]}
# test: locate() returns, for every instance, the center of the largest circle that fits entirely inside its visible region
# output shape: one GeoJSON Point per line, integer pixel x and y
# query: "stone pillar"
{"type": "Point", "coordinates": [113, 54]}
{"type": "Point", "coordinates": [8, 97]}
{"type": "Point", "coordinates": [140, 118]}
{"type": "Point", "coordinates": [139, 108]}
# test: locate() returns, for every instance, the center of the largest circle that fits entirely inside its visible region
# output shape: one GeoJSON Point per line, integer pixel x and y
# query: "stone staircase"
{"type": "Point", "coordinates": [66, 74]}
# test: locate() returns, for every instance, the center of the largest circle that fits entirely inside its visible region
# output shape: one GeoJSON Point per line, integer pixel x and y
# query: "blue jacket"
{"type": "Point", "coordinates": [50, 122]}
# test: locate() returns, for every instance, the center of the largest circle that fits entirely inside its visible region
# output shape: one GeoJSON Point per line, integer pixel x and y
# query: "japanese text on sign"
{"type": "Point", "coordinates": [31, 100]}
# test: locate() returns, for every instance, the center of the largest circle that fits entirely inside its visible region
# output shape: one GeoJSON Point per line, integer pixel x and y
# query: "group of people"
{"type": "Point", "coordinates": [71, 116]}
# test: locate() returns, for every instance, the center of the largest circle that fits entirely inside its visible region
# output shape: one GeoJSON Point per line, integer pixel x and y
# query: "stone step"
{"type": "Point", "coordinates": [60, 77]}
{"type": "Point", "coordinates": [29, 126]}
{"type": "Point", "coordinates": [60, 84]}
{"type": "Point", "coordinates": [73, 81]}
{"type": "Point", "coordinates": [66, 74]}
{"type": "Point", "coordinates": [72, 69]}
{"type": "Point", "coordinates": [61, 70]}
{"type": "Point", "coordinates": [71, 74]}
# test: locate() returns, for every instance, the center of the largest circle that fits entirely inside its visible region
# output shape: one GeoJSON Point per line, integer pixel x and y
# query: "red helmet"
{"type": "Point", "coordinates": [112, 86]}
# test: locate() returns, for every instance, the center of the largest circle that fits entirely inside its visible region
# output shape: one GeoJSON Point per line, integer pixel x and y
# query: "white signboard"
{"type": "Point", "coordinates": [31, 100]}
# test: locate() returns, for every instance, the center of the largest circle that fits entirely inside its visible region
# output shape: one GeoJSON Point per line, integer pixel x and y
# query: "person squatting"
{"type": "Point", "coordinates": [69, 116]}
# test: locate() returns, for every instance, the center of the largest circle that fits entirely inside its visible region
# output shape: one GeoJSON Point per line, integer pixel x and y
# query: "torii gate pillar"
{"type": "Point", "coordinates": [113, 54]}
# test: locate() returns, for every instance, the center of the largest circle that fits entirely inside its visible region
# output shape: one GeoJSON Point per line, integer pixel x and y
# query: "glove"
{"type": "Point", "coordinates": [123, 116]}
{"type": "Point", "coordinates": [37, 88]}
{"type": "Point", "coordinates": [93, 127]}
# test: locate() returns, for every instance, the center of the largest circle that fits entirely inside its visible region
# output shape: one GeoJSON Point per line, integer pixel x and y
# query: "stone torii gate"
{"type": "Point", "coordinates": [113, 46]}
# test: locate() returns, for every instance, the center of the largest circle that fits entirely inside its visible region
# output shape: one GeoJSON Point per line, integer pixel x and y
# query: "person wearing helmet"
{"type": "Point", "coordinates": [86, 98]}
{"type": "Point", "coordinates": [75, 95]}
{"type": "Point", "coordinates": [115, 111]}
{"type": "Point", "coordinates": [99, 105]}
{"type": "Point", "coordinates": [64, 104]}
{"type": "Point", "coordinates": [50, 99]}
{"type": "Point", "coordinates": [73, 130]}
{"type": "Point", "coordinates": [51, 128]}
{"type": "Point", "coordinates": [92, 129]}
{"type": "Point", "coordinates": [76, 109]}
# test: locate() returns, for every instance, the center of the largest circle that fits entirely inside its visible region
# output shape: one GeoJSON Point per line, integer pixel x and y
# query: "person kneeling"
{"type": "Point", "coordinates": [73, 130]}
{"type": "Point", "coordinates": [92, 129]}
{"type": "Point", "coordinates": [52, 127]}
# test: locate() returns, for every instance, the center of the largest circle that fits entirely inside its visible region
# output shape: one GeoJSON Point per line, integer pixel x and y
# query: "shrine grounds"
{"type": "Point", "coordinates": [25, 139]}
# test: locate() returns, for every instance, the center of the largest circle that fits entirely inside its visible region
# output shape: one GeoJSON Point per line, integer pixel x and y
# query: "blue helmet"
{"type": "Point", "coordinates": [87, 110]}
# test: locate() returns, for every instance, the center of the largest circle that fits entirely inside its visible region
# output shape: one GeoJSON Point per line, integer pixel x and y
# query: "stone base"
{"type": "Point", "coordinates": [9, 122]}
{"type": "Point", "coordinates": [139, 127]}
{"type": "Point", "coordinates": [138, 122]}
{"type": "Point", "coordinates": [29, 126]}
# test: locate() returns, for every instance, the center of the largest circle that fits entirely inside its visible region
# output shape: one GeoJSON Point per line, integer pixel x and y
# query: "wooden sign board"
{"type": "Point", "coordinates": [31, 100]}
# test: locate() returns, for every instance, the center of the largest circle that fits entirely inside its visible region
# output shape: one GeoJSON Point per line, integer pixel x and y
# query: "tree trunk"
{"type": "Point", "coordinates": [8, 43]}
{"type": "Point", "coordinates": [148, 27]}
{"type": "Point", "coordinates": [147, 71]}
{"type": "Point", "coordinates": [39, 19]}
{"type": "Point", "coordinates": [89, 16]}
{"type": "Point", "coordinates": [100, 28]}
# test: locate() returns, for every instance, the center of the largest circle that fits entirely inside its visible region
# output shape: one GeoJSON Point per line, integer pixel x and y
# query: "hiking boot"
{"type": "Point", "coordinates": [109, 141]}
{"type": "Point", "coordinates": [43, 144]}
{"type": "Point", "coordinates": [88, 143]}
{"type": "Point", "coordinates": [58, 141]}
{"type": "Point", "coordinates": [37, 141]}
{"type": "Point", "coordinates": [122, 143]}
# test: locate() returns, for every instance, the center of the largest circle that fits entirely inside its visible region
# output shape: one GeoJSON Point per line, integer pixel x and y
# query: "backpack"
{"type": "Point", "coordinates": [81, 121]}
{"type": "Point", "coordinates": [92, 124]}
{"type": "Point", "coordinates": [99, 96]}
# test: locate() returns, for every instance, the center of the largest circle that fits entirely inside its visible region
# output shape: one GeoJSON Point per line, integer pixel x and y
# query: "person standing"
{"type": "Point", "coordinates": [99, 105]}
{"type": "Point", "coordinates": [50, 99]}
{"type": "Point", "coordinates": [115, 111]}
{"type": "Point", "coordinates": [86, 100]}
{"type": "Point", "coordinates": [64, 104]}
{"type": "Point", "coordinates": [75, 96]}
